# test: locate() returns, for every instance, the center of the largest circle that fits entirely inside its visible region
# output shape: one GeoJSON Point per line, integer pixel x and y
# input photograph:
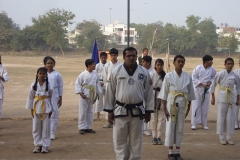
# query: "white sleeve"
{"type": "Point", "coordinates": [213, 75]}
{"type": "Point", "coordinates": [52, 98]}
{"type": "Point", "coordinates": [215, 82]}
{"type": "Point", "coordinates": [78, 84]}
{"type": "Point", "coordinates": [195, 77]}
{"type": "Point", "coordinates": [110, 94]}
{"type": "Point", "coordinates": [165, 89]}
{"type": "Point", "coordinates": [5, 75]}
{"type": "Point", "coordinates": [191, 93]}
{"type": "Point", "coordinates": [30, 98]}
{"type": "Point", "coordinates": [148, 94]}
{"type": "Point", "coordinates": [60, 84]}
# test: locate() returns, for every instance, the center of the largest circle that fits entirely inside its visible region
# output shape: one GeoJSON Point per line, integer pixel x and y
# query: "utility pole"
{"type": "Point", "coordinates": [128, 22]}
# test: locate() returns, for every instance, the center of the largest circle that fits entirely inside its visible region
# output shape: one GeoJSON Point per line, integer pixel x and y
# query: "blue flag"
{"type": "Point", "coordinates": [95, 56]}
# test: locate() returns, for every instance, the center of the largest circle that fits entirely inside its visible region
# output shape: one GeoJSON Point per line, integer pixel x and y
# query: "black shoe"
{"type": "Point", "coordinates": [90, 131]}
{"type": "Point", "coordinates": [178, 156]}
{"type": "Point", "coordinates": [82, 131]}
{"type": "Point", "coordinates": [171, 157]}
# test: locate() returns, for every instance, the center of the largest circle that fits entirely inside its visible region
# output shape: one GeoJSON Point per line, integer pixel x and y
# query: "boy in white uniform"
{"type": "Point", "coordinates": [226, 79]}
{"type": "Point", "coordinates": [237, 116]}
{"type": "Point", "coordinates": [87, 86]}
{"type": "Point", "coordinates": [3, 78]}
{"type": "Point", "coordinates": [176, 93]}
{"type": "Point", "coordinates": [147, 63]}
{"type": "Point", "coordinates": [108, 68]}
{"type": "Point", "coordinates": [130, 85]}
{"type": "Point", "coordinates": [203, 76]}
{"type": "Point", "coordinates": [100, 72]}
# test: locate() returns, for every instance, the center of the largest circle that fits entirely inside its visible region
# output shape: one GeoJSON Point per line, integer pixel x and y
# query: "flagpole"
{"type": "Point", "coordinates": [128, 23]}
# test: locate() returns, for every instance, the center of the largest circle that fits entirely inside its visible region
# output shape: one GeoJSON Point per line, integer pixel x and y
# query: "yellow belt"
{"type": "Point", "coordinates": [228, 94]}
{"type": "Point", "coordinates": [40, 98]}
{"type": "Point", "coordinates": [92, 91]}
{"type": "Point", "coordinates": [173, 107]}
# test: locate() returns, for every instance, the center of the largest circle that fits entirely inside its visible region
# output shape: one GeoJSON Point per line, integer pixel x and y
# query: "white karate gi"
{"type": "Point", "coordinates": [158, 119]}
{"type": "Point", "coordinates": [56, 81]}
{"type": "Point", "coordinates": [4, 74]}
{"type": "Point", "coordinates": [201, 105]}
{"type": "Point", "coordinates": [128, 88]}
{"type": "Point", "coordinates": [173, 83]}
{"type": "Point", "coordinates": [87, 79]}
{"type": "Point", "coordinates": [237, 115]}
{"type": "Point", "coordinates": [108, 68]}
{"type": "Point", "coordinates": [101, 96]}
{"type": "Point", "coordinates": [41, 128]}
{"type": "Point", "coordinates": [150, 71]}
{"type": "Point", "coordinates": [225, 113]}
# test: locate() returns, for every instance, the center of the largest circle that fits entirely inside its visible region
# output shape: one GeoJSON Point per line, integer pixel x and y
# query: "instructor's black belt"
{"type": "Point", "coordinates": [130, 106]}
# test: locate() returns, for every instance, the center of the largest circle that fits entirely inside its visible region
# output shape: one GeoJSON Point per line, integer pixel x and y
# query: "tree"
{"type": "Point", "coordinates": [89, 31]}
{"type": "Point", "coordinates": [228, 42]}
{"type": "Point", "coordinates": [52, 26]}
{"type": "Point", "coordinates": [7, 29]}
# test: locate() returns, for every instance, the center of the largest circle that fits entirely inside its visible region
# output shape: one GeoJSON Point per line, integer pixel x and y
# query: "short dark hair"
{"type": "Point", "coordinates": [178, 56]}
{"type": "Point", "coordinates": [89, 62]}
{"type": "Point", "coordinates": [207, 58]}
{"type": "Point", "coordinates": [229, 59]}
{"type": "Point", "coordinates": [129, 49]}
{"type": "Point", "coordinates": [113, 51]}
{"type": "Point", "coordinates": [147, 59]}
{"type": "Point", "coordinates": [144, 49]}
{"type": "Point", "coordinates": [103, 54]}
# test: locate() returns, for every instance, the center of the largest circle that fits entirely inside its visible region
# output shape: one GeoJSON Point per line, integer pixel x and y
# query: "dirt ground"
{"type": "Point", "coordinates": [16, 140]}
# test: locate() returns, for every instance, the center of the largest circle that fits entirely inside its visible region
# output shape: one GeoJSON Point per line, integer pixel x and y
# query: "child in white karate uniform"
{"type": "Point", "coordinates": [56, 81]}
{"type": "Point", "coordinates": [3, 78]}
{"type": "Point", "coordinates": [157, 122]}
{"type": "Point", "coordinates": [40, 101]}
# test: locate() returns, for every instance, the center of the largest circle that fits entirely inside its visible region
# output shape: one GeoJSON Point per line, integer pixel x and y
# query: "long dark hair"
{"type": "Point", "coordinates": [162, 73]}
{"type": "Point", "coordinates": [35, 84]}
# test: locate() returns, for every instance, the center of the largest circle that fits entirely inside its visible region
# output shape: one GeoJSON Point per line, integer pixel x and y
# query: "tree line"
{"type": "Point", "coordinates": [48, 32]}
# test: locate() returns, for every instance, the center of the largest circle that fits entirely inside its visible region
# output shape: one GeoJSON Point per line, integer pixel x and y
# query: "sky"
{"type": "Point", "coordinates": [142, 11]}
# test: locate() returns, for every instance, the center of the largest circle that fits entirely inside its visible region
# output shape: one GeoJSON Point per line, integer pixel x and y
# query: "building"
{"type": "Point", "coordinates": [225, 30]}
{"type": "Point", "coordinates": [117, 33]}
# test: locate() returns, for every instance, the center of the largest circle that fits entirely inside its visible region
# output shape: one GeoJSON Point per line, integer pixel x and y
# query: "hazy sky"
{"type": "Point", "coordinates": [142, 11]}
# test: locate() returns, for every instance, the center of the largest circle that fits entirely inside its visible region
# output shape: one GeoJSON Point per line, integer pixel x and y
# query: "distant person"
{"type": "Point", "coordinates": [129, 87]}
{"type": "Point", "coordinates": [100, 71]}
{"type": "Point", "coordinates": [226, 79]}
{"type": "Point", "coordinates": [3, 78]}
{"type": "Point", "coordinates": [56, 81]}
{"type": "Point", "coordinates": [108, 68]}
{"type": "Point", "coordinates": [144, 53]}
{"type": "Point", "coordinates": [203, 76]}
{"type": "Point", "coordinates": [237, 116]}
{"type": "Point", "coordinates": [147, 63]}
{"type": "Point", "coordinates": [87, 86]}
{"type": "Point", "coordinates": [41, 102]}
{"type": "Point", "coordinates": [176, 93]}
{"type": "Point", "coordinates": [158, 120]}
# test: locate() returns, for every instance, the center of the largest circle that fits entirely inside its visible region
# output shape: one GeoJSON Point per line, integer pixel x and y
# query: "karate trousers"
{"type": "Point", "coordinates": [225, 118]}
{"type": "Point", "coordinates": [175, 129]}
{"type": "Point", "coordinates": [202, 111]}
{"type": "Point", "coordinates": [128, 137]}
{"type": "Point", "coordinates": [86, 114]}
{"type": "Point", "coordinates": [55, 117]}
{"type": "Point", "coordinates": [41, 130]}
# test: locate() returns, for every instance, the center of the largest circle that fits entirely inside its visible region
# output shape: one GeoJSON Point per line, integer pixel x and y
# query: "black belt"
{"type": "Point", "coordinates": [156, 89]}
{"type": "Point", "coordinates": [128, 106]}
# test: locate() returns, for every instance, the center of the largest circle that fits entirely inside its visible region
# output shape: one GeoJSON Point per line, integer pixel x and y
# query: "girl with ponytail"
{"type": "Point", "coordinates": [40, 101]}
{"type": "Point", "coordinates": [157, 122]}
